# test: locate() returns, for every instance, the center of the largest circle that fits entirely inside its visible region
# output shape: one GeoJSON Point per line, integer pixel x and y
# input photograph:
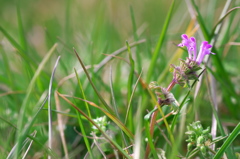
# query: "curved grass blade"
{"type": "Point", "coordinates": [84, 134]}
{"type": "Point", "coordinates": [112, 142]}
{"type": "Point", "coordinates": [130, 83]}
{"type": "Point", "coordinates": [221, 20]}
{"type": "Point", "coordinates": [50, 107]}
{"type": "Point", "coordinates": [112, 117]}
{"type": "Point", "coordinates": [112, 93]}
{"type": "Point", "coordinates": [228, 142]}
{"type": "Point", "coordinates": [25, 103]}
{"type": "Point", "coordinates": [131, 97]}
{"type": "Point", "coordinates": [26, 141]}
{"type": "Point", "coordinates": [80, 118]}
{"type": "Point", "coordinates": [33, 135]}
{"type": "Point", "coordinates": [138, 136]}
{"type": "Point", "coordinates": [24, 133]}
{"type": "Point", "coordinates": [159, 44]}
{"type": "Point", "coordinates": [83, 94]}
{"type": "Point", "coordinates": [115, 106]}
{"type": "Point", "coordinates": [95, 89]}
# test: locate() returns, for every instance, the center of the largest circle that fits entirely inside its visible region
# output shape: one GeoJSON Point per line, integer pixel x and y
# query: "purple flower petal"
{"type": "Point", "coordinates": [181, 45]}
{"type": "Point", "coordinates": [193, 48]}
{"type": "Point", "coordinates": [184, 36]}
{"type": "Point", "coordinates": [204, 50]}
{"type": "Point", "coordinates": [190, 43]}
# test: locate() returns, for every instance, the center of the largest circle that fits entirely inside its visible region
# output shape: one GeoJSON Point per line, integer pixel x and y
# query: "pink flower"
{"type": "Point", "coordinates": [191, 45]}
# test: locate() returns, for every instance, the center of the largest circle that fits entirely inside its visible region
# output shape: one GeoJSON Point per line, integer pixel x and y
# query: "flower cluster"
{"type": "Point", "coordinates": [102, 123]}
{"type": "Point", "coordinates": [199, 138]}
{"type": "Point", "coordinates": [188, 68]}
{"type": "Point", "coordinates": [191, 45]}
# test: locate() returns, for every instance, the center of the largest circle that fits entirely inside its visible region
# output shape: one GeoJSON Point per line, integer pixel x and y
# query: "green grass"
{"type": "Point", "coordinates": [119, 48]}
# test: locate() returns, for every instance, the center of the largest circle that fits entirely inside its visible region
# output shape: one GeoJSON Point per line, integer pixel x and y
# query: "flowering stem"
{"type": "Point", "coordinates": [153, 119]}
{"type": "Point", "coordinates": [171, 85]}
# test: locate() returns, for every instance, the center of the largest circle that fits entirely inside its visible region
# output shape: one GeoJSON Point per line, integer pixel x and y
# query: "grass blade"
{"type": "Point", "coordinates": [84, 134]}
{"type": "Point", "coordinates": [228, 142]}
{"type": "Point", "coordinates": [80, 119]}
{"type": "Point", "coordinates": [138, 137]}
{"type": "Point", "coordinates": [22, 38]}
{"type": "Point", "coordinates": [17, 46]}
{"type": "Point", "coordinates": [130, 83]}
{"type": "Point", "coordinates": [25, 154]}
{"type": "Point", "coordinates": [115, 106]}
{"type": "Point", "coordinates": [201, 22]}
{"type": "Point", "coordinates": [50, 107]}
{"type": "Point", "coordinates": [27, 97]}
{"type": "Point", "coordinates": [26, 141]}
{"type": "Point", "coordinates": [83, 94]}
{"type": "Point", "coordinates": [136, 38]}
{"type": "Point", "coordinates": [159, 44]}
{"type": "Point", "coordinates": [222, 18]}
{"type": "Point", "coordinates": [26, 129]}
{"type": "Point", "coordinates": [130, 100]}
{"type": "Point", "coordinates": [112, 93]}
{"type": "Point", "coordinates": [95, 89]}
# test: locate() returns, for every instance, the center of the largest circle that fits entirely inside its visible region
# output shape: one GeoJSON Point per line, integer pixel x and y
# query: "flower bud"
{"type": "Point", "coordinates": [190, 146]}
{"type": "Point", "coordinates": [200, 140]}
{"type": "Point", "coordinates": [203, 150]}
